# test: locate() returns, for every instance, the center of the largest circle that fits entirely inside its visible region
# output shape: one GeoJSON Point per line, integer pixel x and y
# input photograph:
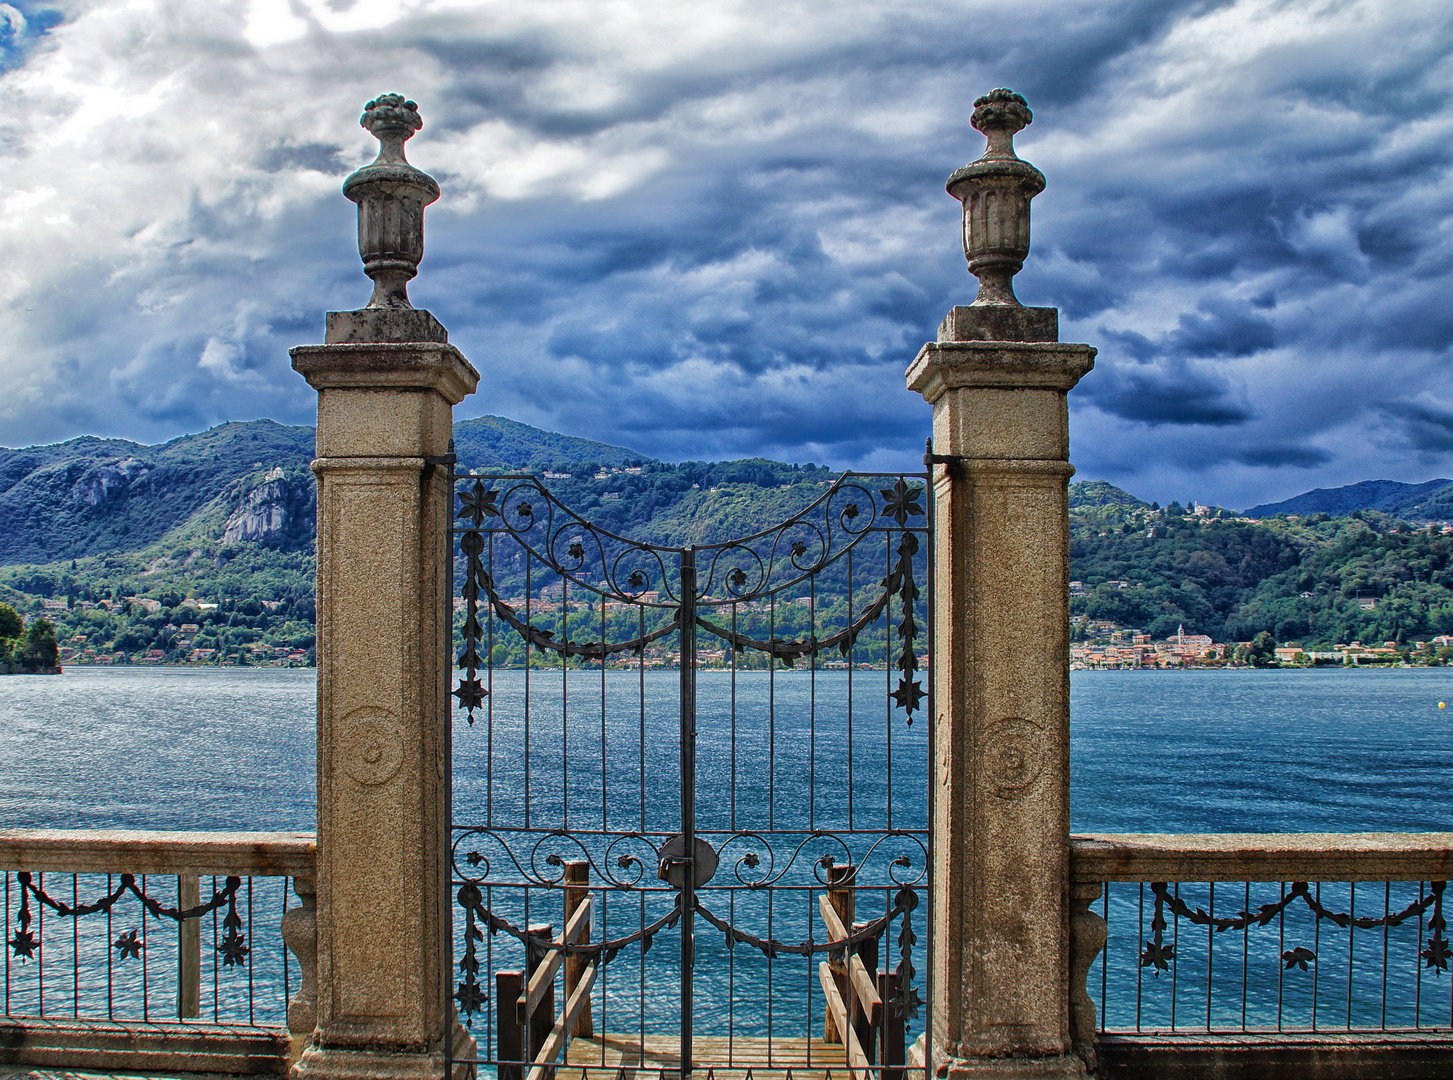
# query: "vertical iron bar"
{"type": "Point", "coordinates": [641, 670]}
{"type": "Point", "coordinates": [688, 796]}
{"type": "Point", "coordinates": [1417, 950]}
{"type": "Point", "coordinates": [771, 734]}
{"type": "Point", "coordinates": [1281, 947]}
{"type": "Point", "coordinates": [250, 951]}
{"type": "Point", "coordinates": [145, 1004]}
{"type": "Point", "coordinates": [734, 752]}
{"type": "Point", "coordinates": [604, 785]}
{"type": "Point", "coordinates": [1316, 954]}
{"type": "Point", "coordinates": [932, 761]}
{"type": "Point", "coordinates": [489, 716]}
{"type": "Point", "coordinates": [1140, 968]}
{"type": "Point", "coordinates": [1386, 910]}
{"type": "Point", "coordinates": [1175, 959]}
{"type": "Point", "coordinates": [811, 738]}
{"type": "Point", "coordinates": [1104, 953]}
{"type": "Point", "coordinates": [564, 704]}
{"type": "Point", "coordinates": [1210, 954]}
{"type": "Point", "coordinates": [529, 590]}
{"type": "Point", "coordinates": [851, 646]}
{"type": "Point", "coordinates": [287, 994]}
{"type": "Point", "coordinates": [888, 678]}
{"type": "Point", "coordinates": [110, 990]}
{"type": "Point", "coordinates": [40, 936]}
{"type": "Point", "coordinates": [1245, 955]}
{"type": "Point", "coordinates": [216, 995]}
{"type": "Point", "coordinates": [1351, 954]}
{"type": "Point", "coordinates": [76, 953]}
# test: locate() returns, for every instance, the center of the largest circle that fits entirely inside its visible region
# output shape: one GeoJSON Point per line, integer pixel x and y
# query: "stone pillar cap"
{"type": "Point", "coordinates": [435, 366]}
{"type": "Point", "coordinates": [1019, 365]}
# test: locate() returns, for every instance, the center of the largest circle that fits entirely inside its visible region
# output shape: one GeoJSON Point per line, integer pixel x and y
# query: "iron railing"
{"type": "Point", "coordinates": [1285, 934]}
{"type": "Point", "coordinates": [134, 931]}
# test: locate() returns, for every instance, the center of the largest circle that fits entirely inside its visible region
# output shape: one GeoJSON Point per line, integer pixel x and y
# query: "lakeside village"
{"type": "Point", "coordinates": [148, 631]}
{"type": "Point", "coordinates": [1099, 644]}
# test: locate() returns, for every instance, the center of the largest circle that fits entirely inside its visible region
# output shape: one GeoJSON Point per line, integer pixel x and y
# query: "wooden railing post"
{"type": "Point", "coordinates": [842, 902]}
{"type": "Point", "coordinates": [538, 1023]}
{"type": "Point", "coordinates": [509, 1032]}
{"type": "Point", "coordinates": [577, 873]}
{"type": "Point", "coordinates": [891, 1049]}
{"type": "Point", "coordinates": [189, 949]}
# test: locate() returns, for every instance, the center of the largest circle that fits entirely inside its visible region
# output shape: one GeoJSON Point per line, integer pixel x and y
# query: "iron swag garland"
{"type": "Point", "coordinates": [233, 949]}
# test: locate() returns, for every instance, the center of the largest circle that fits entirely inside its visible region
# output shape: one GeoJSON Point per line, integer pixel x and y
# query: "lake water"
{"type": "Point", "coordinates": [1198, 751]}
{"type": "Point", "coordinates": [1152, 751]}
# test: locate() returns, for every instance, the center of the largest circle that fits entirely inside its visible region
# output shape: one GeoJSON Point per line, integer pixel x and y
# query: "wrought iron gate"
{"type": "Point", "coordinates": [737, 730]}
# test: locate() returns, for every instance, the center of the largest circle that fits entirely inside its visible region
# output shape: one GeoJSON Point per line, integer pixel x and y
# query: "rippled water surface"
{"type": "Point", "coordinates": [1254, 751]}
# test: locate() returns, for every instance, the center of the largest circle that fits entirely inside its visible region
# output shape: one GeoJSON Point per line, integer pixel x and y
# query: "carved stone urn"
{"type": "Point", "coordinates": [995, 191]}
{"type": "Point", "coordinates": [391, 195]}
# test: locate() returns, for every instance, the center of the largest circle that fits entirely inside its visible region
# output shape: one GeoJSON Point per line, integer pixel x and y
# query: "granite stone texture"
{"type": "Point", "coordinates": [384, 947]}
{"type": "Point", "coordinates": [1001, 934]}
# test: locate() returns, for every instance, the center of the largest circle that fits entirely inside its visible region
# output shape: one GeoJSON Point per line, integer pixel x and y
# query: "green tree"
{"type": "Point", "coordinates": [41, 651]}
{"type": "Point", "coordinates": [11, 625]}
{"type": "Point", "coordinates": [1262, 651]}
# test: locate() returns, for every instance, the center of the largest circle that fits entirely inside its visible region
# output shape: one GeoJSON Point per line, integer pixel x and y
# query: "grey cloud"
{"type": "Point", "coordinates": [1279, 456]}
{"type": "Point", "coordinates": [1171, 391]}
{"type": "Point", "coordinates": [779, 243]}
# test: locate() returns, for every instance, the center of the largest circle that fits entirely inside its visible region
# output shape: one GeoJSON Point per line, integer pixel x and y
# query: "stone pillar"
{"type": "Point", "coordinates": [387, 379]}
{"type": "Point", "coordinates": [997, 379]}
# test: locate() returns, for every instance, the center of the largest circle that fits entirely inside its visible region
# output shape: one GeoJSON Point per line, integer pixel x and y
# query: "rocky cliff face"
{"type": "Point", "coordinates": [103, 480]}
{"type": "Point", "coordinates": [272, 510]}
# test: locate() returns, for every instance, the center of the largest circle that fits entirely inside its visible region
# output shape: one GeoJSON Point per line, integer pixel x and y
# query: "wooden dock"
{"type": "Point", "coordinates": [624, 1057]}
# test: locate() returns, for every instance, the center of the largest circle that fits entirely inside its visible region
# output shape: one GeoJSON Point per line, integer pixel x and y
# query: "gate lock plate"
{"type": "Point", "coordinates": [674, 862]}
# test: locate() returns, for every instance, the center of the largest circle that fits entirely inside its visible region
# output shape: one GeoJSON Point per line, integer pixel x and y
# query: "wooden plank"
{"type": "Point", "coordinates": [628, 1055]}
{"type": "Point", "coordinates": [536, 1024]}
{"type": "Point", "coordinates": [577, 872]}
{"type": "Point", "coordinates": [509, 1034]}
{"type": "Point", "coordinates": [543, 976]}
{"type": "Point", "coordinates": [865, 990]}
{"type": "Point", "coordinates": [858, 1064]}
{"type": "Point", "coordinates": [835, 929]}
{"type": "Point", "coordinates": [866, 1008]}
{"type": "Point", "coordinates": [843, 906]}
{"type": "Point", "coordinates": [555, 1041]}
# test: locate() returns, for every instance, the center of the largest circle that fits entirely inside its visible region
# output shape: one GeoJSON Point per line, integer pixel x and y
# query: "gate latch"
{"type": "Point", "coordinates": [674, 862]}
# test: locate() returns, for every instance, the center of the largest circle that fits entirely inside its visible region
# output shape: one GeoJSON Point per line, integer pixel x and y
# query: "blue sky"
{"type": "Point", "coordinates": [720, 230]}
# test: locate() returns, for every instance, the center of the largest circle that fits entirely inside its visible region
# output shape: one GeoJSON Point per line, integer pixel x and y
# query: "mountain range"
{"type": "Point", "coordinates": [229, 514]}
{"type": "Point", "coordinates": [250, 482]}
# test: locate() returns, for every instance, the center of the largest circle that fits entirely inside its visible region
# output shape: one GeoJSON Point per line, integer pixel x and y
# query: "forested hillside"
{"type": "Point", "coordinates": [226, 518]}
{"type": "Point", "coordinates": [1317, 580]}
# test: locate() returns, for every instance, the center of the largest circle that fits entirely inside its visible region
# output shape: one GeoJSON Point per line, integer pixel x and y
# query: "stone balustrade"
{"type": "Point", "coordinates": [83, 1024]}
{"type": "Point", "coordinates": [1312, 878]}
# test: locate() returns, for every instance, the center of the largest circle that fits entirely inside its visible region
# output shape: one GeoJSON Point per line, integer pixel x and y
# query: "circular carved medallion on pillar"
{"type": "Point", "coordinates": [1013, 757]}
{"type": "Point", "coordinates": [371, 745]}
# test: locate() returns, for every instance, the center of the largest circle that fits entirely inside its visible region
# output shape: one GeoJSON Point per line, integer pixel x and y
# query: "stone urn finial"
{"type": "Point", "coordinates": [995, 191]}
{"type": "Point", "coordinates": [391, 195]}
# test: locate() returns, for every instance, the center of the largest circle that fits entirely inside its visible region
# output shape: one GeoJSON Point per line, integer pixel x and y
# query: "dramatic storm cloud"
{"type": "Point", "coordinates": [721, 230]}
